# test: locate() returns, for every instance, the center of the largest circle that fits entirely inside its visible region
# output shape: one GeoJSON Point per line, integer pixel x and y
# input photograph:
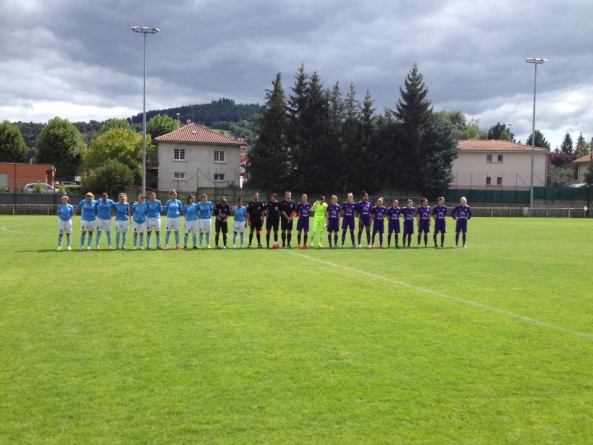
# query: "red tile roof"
{"type": "Point", "coordinates": [495, 145]}
{"type": "Point", "coordinates": [198, 134]}
{"type": "Point", "coordinates": [582, 159]}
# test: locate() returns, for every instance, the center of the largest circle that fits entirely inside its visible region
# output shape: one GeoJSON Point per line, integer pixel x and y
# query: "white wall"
{"type": "Point", "coordinates": [470, 170]}
{"type": "Point", "coordinates": [197, 157]}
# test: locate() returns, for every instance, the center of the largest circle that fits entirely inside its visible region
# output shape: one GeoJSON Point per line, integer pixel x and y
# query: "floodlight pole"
{"type": "Point", "coordinates": [536, 62]}
{"type": "Point", "coordinates": [144, 30]}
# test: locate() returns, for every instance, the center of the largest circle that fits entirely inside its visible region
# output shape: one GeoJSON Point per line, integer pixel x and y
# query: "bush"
{"type": "Point", "coordinates": [112, 178]}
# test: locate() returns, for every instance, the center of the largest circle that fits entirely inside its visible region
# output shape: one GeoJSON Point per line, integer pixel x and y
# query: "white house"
{"type": "Point", "coordinates": [500, 165]}
{"type": "Point", "coordinates": [195, 156]}
{"type": "Point", "coordinates": [582, 165]}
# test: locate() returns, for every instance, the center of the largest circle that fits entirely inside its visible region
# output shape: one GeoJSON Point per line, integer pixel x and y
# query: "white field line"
{"type": "Point", "coordinates": [449, 297]}
{"type": "Point", "coordinates": [6, 229]}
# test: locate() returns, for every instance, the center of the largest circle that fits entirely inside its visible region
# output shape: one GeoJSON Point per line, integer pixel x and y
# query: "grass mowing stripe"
{"type": "Point", "coordinates": [449, 297]}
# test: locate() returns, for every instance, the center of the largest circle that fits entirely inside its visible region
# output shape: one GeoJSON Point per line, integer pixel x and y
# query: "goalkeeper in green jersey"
{"type": "Point", "coordinates": [319, 210]}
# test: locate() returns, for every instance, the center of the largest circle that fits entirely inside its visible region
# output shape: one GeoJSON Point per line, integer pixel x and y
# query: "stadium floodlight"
{"type": "Point", "coordinates": [536, 61]}
{"type": "Point", "coordinates": [144, 30]}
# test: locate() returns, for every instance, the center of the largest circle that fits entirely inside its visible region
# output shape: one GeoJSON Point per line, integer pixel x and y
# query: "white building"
{"type": "Point", "coordinates": [582, 165]}
{"type": "Point", "coordinates": [195, 156]}
{"type": "Point", "coordinates": [500, 165]}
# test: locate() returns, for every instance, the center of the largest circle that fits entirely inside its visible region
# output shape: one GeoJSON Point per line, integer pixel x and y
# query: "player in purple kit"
{"type": "Point", "coordinates": [408, 215]}
{"type": "Point", "coordinates": [333, 221]}
{"type": "Point", "coordinates": [348, 209]}
{"type": "Point", "coordinates": [439, 213]}
{"type": "Point", "coordinates": [303, 209]}
{"type": "Point", "coordinates": [378, 216]}
{"type": "Point", "coordinates": [394, 213]}
{"type": "Point", "coordinates": [423, 217]}
{"type": "Point", "coordinates": [461, 213]}
{"type": "Point", "coordinates": [363, 209]}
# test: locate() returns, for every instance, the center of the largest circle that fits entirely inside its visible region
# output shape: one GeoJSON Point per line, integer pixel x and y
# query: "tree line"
{"type": "Point", "coordinates": [315, 139]}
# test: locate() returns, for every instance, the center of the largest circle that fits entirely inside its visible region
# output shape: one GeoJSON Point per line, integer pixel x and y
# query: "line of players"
{"type": "Point", "coordinates": [144, 216]}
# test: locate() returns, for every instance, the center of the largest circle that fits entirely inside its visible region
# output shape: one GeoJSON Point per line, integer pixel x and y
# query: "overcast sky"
{"type": "Point", "coordinates": [78, 59]}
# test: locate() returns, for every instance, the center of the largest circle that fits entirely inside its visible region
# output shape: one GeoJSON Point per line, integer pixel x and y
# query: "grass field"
{"type": "Point", "coordinates": [487, 345]}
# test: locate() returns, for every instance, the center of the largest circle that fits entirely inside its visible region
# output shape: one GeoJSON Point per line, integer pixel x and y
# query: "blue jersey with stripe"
{"type": "Point", "coordinates": [121, 211]}
{"type": "Point", "coordinates": [65, 212]}
{"type": "Point", "coordinates": [140, 211]}
{"type": "Point", "coordinates": [154, 208]}
{"type": "Point", "coordinates": [88, 210]}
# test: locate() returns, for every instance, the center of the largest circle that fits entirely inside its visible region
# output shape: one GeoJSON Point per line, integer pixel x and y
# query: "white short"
{"type": "Point", "coordinates": [239, 226]}
{"type": "Point", "coordinates": [87, 226]}
{"type": "Point", "coordinates": [173, 224]}
{"type": "Point", "coordinates": [103, 225]}
{"type": "Point", "coordinates": [191, 226]}
{"type": "Point", "coordinates": [65, 227]}
{"type": "Point", "coordinates": [153, 224]}
{"type": "Point", "coordinates": [122, 226]}
{"type": "Point", "coordinates": [205, 225]}
{"type": "Point", "coordinates": [139, 227]}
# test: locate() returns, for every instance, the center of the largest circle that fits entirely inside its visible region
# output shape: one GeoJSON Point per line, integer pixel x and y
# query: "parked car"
{"type": "Point", "coordinates": [36, 187]}
{"type": "Point", "coordinates": [70, 183]}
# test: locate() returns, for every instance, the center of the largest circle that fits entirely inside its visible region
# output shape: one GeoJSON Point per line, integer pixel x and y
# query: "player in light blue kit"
{"type": "Point", "coordinates": [88, 216]}
{"type": "Point", "coordinates": [173, 208]}
{"type": "Point", "coordinates": [240, 213]}
{"type": "Point", "coordinates": [65, 214]}
{"type": "Point", "coordinates": [153, 220]}
{"type": "Point", "coordinates": [191, 220]}
{"type": "Point", "coordinates": [205, 209]}
{"type": "Point", "coordinates": [139, 212]}
{"type": "Point", "coordinates": [122, 220]}
{"type": "Point", "coordinates": [105, 208]}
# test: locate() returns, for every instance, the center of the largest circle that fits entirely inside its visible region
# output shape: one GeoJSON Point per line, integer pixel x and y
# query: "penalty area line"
{"type": "Point", "coordinates": [449, 297]}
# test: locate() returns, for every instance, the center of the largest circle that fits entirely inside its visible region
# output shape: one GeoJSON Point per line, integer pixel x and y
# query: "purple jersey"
{"type": "Point", "coordinates": [461, 212]}
{"type": "Point", "coordinates": [408, 213]}
{"type": "Point", "coordinates": [423, 213]}
{"type": "Point", "coordinates": [439, 212]}
{"type": "Point", "coordinates": [378, 214]}
{"type": "Point", "coordinates": [333, 217]}
{"type": "Point", "coordinates": [393, 213]}
{"type": "Point", "coordinates": [303, 209]}
{"type": "Point", "coordinates": [363, 208]}
{"type": "Point", "coordinates": [348, 208]}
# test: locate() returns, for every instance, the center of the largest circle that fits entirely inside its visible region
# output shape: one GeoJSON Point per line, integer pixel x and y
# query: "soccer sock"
{"type": "Point", "coordinates": [242, 238]}
{"type": "Point", "coordinates": [201, 238]}
{"type": "Point", "coordinates": [426, 239]}
{"type": "Point", "coordinates": [208, 239]}
{"type": "Point", "coordinates": [234, 238]}
{"type": "Point", "coordinates": [194, 238]}
{"type": "Point", "coordinates": [368, 237]}
{"type": "Point", "coordinates": [167, 236]}
{"type": "Point", "coordinates": [434, 237]}
{"type": "Point", "coordinates": [299, 239]}
{"type": "Point", "coordinates": [148, 239]}
{"type": "Point", "coordinates": [224, 239]}
{"type": "Point", "coordinates": [185, 239]}
{"type": "Point", "coordinates": [396, 240]}
{"type": "Point", "coordinates": [216, 238]}
{"type": "Point", "coordinates": [141, 241]}
{"type": "Point", "coordinates": [464, 238]}
{"type": "Point", "coordinates": [288, 238]}
{"type": "Point", "coordinates": [456, 238]}
{"type": "Point", "coordinates": [329, 239]}
{"type": "Point", "coordinates": [60, 241]}
{"type": "Point", "coordinates": [82, 237]}
{"type": "Point", "coordinates": [344, 237]}
{"type": "Point", "coordinates": [313, 237]}
{"type": "Point", "coordinates": [125, 239]}
{"type": "Point", "coordinates": [98, 237]}
{"type": "Point", "coordinates": [419, 238]}
{"type": "Point", "coordinates": [373, 239]}
{"type": "Point", "coordinates": [283, 236]}
{"type": "Point", "coordinates": [335, 239]}
{"type": "Point", "coordinates": [306, 236]}
{"type": "Point", "coordinates": [268, 239]}
{"type": "Point", "coordinates": [135, 241]}
{"type": "Point", "coordinates": [250, 237]}
{"type": "Point", "coordinates": [158, 240]}
{"type": "Point", "coordinates": [90, 239]}
{"type": "Point", "coordinates": [258, 236]}
{"type": "Point", "coordinates": [117, 236]}
{"type": "Point", "coordinates": [409, 240]}
{"type": "Point", "coordinates": [352, 237]}
{"type": "Point", "coordinates": [69, 241]}
{"type": "Point", "coordinates": [109, 237]}
{"type": "Point", "coordinates": [381, 238]}
{"type": "Point", "coordinates": [359, 237]}
{"type": "Point", "coordinates": [176, 238]}
{"type": "Point", "coordinates": [442, 239]}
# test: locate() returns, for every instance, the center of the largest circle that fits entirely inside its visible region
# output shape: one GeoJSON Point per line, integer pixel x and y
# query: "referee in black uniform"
{"type": "Point", "coordinates": [255, 212]}
{"type": "Point", "coordinates": [272, 218]}
{"type": "Point", "coordinates": [221, 211]}
{"type": "Point", "coordinates": [287, 212]}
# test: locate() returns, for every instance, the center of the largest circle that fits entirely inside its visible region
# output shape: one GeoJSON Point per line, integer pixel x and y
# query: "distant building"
{"type": "Point", "coordinates": [16, 175]}
{"type": "Point", "coordinates": [501, 165]}
{"type": "Point", "coordinates": [195, 156]}
{"type": "Point", "coordinates": [582, 165]}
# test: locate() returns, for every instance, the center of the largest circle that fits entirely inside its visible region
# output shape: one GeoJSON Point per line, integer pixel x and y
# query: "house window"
{"type": "Point", "coordinates": [179, 175]}
{"type": "Point", "coordinates": [179, 154]}
{"type": "Point", "coordinates": [218, 156]}
{"type": "Point", "coordinates": [499, 158]}
{"type": "Point", "coordinates": [219, 176]}
{"type": "Point", "coordinates": [488, 158]}
{"type": "Point", "coordinates": [488, 180]}
{"type": "Point", "coordinates": [499, 180]}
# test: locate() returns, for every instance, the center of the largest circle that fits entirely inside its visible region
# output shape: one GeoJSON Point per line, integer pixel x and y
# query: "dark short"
{"type": "Point", "coordinates": [285, 224]}
{"type": "Point", "coordinates": [365, 222]}
{"type": "Point", "coordinates": [378, 228]}
{"type": "Point", "coordinates": [440, 226]}
{"type": "Point", "coordinates": [409, 227]}
{"type": "Point", "coordinates": [394, 226]}
{"type": "Point", "coordinates": [272, 224]}
{"type": "Point", "coordinates": [461, 226]}
{"type": "Point", "coordinates": [424, 226]}
{"type": "Point", "coordinates": [348, 224]}
{"type": "Point", "coordinates": [221, 226]}
{"type": "Point", "coordinates": [256, 224]}
{"type": "Point", "coordinates": [333, 225]}
{"type": "Point", "coordinates": [303, 224]}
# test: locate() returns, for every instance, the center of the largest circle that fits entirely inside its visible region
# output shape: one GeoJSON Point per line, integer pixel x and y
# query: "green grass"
{"type": "Point", "coordinates": [487, 345]}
